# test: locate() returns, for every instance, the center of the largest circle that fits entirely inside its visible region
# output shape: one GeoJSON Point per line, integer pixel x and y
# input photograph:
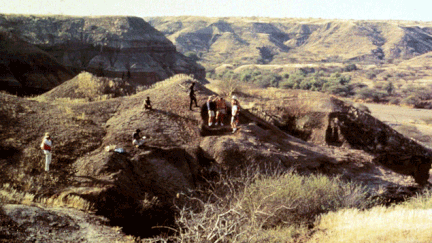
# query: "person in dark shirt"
{"type": "Point", "coordinates": [147, 104]}
{"type": "Point", "coordinates": [192, 96]}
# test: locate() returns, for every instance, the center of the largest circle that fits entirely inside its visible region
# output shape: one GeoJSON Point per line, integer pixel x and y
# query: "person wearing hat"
{"type": "Point", "coordinates": [235, 111]}
{"type": "Point", "coordinates": [46, 146]}
{"type": "Point", "coordinates": [137, 141]}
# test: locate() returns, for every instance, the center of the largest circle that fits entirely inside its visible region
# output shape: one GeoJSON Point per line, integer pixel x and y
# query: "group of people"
{"type": "Point", "coordinates": [217, 110]}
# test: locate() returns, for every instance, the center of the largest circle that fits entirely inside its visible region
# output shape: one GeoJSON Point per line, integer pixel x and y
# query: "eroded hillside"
{"type": "Point", "coordinates": [181, 154]}
{"type": "Point", "coordinates": [277, 41]}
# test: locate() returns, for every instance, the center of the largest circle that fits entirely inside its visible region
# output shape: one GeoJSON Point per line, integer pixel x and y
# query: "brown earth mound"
{"type": "Point", "coordinates": [90, 87]}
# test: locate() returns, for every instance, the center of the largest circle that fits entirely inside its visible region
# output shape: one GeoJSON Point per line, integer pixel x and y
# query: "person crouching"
{"type": "Point", "coordinates": [147, 104]}
{"type": "Point", "coordinates": [137, 141]}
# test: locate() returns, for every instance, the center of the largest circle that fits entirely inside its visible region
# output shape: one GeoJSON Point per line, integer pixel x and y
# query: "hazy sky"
{"type": "Point", "coordinates": [326, 9]}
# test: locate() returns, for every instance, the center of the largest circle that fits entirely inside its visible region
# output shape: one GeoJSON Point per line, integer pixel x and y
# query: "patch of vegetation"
{"type": "Point", "coordinates": [264, 208]}
{"type": "Point", "coordinates": [303, 78]}
{"type": "Point", "coordinates": [192, 56]}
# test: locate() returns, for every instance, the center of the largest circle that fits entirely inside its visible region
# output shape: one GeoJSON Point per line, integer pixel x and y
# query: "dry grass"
{"type": "Point", "coordinates": [407, 222]}
{"type": "Point", "coordinates": [8, 194]}
{"type": "Point", "coordinates": [379, 224]}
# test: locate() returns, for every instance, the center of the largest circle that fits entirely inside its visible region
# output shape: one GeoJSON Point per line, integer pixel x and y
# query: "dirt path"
{"type": "Point", "coordinates": [397, 116]}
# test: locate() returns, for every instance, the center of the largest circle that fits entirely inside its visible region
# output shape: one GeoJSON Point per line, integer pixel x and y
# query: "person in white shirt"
{"type": "Point", "coordinates": [137, 141]}
{"type": "Point", "coordinates": [211, 108]}
{"type": "Point", "coordinates": [46, 146]}
{"type": "Point", "coordinates": [235, 111]}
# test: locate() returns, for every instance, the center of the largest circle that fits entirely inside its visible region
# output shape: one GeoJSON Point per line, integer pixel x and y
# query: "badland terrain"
{"type": "Point", "coordinates": [302, 163]}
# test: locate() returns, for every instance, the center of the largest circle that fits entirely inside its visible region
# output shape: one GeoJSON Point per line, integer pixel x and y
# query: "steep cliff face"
{"type": "Point", "coordinates": [276, 41]}
{"type": "Point", "coordinates": [25, 69]}
{"type": "Point", "coordinates": [110, 46]}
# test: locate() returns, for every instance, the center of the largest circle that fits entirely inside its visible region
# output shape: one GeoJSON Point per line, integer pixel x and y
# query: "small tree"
{"type": "Point", "coordinates": [389, 87]}
{"type": "Point", "coordinates": [192, 56]}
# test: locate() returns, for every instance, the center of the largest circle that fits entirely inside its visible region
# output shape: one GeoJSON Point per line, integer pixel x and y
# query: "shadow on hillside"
{"type": "Point", "coordinates": [7, 152]}
{"type": "Point", "coordinates": [169, 114]}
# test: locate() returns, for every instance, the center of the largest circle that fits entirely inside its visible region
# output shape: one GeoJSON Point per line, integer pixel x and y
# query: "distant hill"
{"type": "Point", "coordinates": [118, 46]}
{"type": "Point", "coordinates": [275, 41]}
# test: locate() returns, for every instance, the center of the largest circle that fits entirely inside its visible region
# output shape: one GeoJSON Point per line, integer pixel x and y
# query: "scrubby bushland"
{"type": "Point", "coordinates": [264, 208]}
{"type": "Point", "coordinates": [336, 81]}
{"type": "Point", "coordinates": [305, 78]}
{"type": "Point", "coordinates": [371, 94]}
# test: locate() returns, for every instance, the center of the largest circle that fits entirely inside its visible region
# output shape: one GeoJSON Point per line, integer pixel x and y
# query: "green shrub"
{"type": "Point", "coordinates": [192, 56]}
{"type": "Point", "coordinates": [389, 88]}
{"type": "Point", "coordinates": [293, 199]}
{"type": "Point", "coordinates": [394, 101]}
{"type": "Point", "coordinates": [371, 94]}
{"type": "Point", "coordinates": [411, 100]}
{"type": "Point", "coordinates": [350, 67]}
{"type": "Point", "coordinates": [287, 84]}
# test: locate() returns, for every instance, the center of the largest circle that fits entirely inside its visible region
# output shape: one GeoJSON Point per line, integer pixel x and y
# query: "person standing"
{"type": "Point", "coordinates": [235, 111]}
{"type": "Point", "coordinates": [211, 108]}
{"type": "Point", "coordinates": [46, 146]}
{"type": "Point", "coordinates": [221, 110]}
{"type": "Point", "coordinates": [192, 96]}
